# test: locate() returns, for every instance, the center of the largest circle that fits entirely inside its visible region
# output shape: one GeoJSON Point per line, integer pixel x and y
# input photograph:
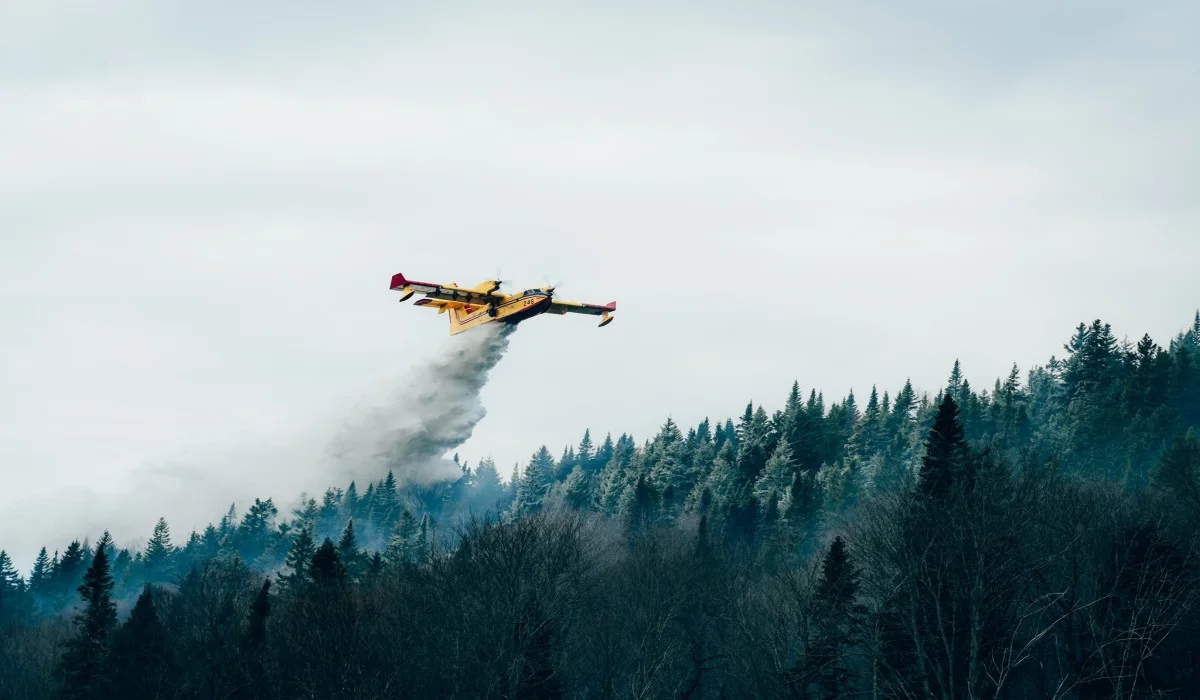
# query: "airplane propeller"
{"type": "Point", "coordinates": [550, 288]}
{"type": "Point", "coordinates": [500, 281]}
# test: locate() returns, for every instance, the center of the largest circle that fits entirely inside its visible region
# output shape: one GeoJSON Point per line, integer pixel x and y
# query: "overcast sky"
{"type": "Point", "coordinates": [201, 205]}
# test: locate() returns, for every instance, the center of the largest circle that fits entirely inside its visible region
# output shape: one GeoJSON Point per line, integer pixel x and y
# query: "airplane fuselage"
{"type": "Point", "coordinates": [471, 307]}
{"type": "Point", "coordinates": [511, 309]}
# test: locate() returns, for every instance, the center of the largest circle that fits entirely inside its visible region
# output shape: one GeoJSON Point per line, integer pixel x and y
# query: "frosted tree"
{"type": "Point", "coordinates": [400, 549]}
{"type": "Point", "coordinates": [10, 579]}
{"type": "Point", "coordinates": [777, 474]}
{"type": "Point", "coordinates": [534, 484]}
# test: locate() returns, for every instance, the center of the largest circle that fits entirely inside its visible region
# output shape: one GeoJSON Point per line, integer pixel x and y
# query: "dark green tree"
{"type": "Point", "coordinates": [299, 559]}
{"type": "Point", "coordinates": [327, 568]}
{"type": "Point", "coordinates": [140, 664]}
{"type": "Point", "coordinates": [945, 452]}
{"type": "Point", "coordinates": [350, 553]}
{"type": "Point", "coordinates": [159, 556]}
{"type": "Point", "coordinates": [842, 623]}
{"type": "Point", "coordinates": [83, 661]}
{"type": "Point", "coordinates": [39, 578]}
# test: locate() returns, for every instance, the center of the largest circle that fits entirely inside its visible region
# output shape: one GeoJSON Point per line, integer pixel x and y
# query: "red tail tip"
{"type": "Point", "coordinates": [398, 280]}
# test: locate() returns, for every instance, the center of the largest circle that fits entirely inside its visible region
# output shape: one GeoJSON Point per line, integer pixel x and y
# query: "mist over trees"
{"type": "Point", "coordinates": [1039, 538]}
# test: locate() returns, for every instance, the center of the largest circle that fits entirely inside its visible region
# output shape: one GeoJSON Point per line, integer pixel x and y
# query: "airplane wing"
{"type": "Point", "coordinates": [575, 307]}
{"type": "Point", "coordinates": [444, 292]}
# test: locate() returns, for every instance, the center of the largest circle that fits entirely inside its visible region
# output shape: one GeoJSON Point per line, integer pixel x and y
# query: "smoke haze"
{"type": "Point", "coordinates": [407, 425]}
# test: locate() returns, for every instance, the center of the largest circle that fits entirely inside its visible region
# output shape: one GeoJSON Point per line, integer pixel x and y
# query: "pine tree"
{"type": "Point", "coordinates": [1178, 473]}
{"type": "Point", "coordinates": [945, 450]}
{"type": "Point", "coordinates": [256, 628]}
{"type": "Point", "coordinates": [742, 520]}
{"type": "Point", "coordinates": [69, 569]}
{"type": "Point", "coordinates": [10, 578]}
{"type": "Point", "coordinates": [777, 474]}
{"type": "Point", "coordinates": [954, 385]}
{"type": "Point", "coordinates": [585, 455]}
{"type": "Point", "coordinates": [299, 558]}
{"type": "Point", "coordinates": [253, 644]}
{"type": "Point", "coordinates": [159, 553]}
{"type": "Point", "coordinates": [640, 508]}
{"type": "Point", "coordinates": [39, 578]}
{"type": "Point", "coordinates": [350, 503]}
{"type": "Point", "coordinates": [139, 651]}
{"type": "Point", "coordinates": [837, 590]}
{"type": "Point", "coordinates": [534, 483]}
{"type": "Point", "coordinates": [326, 569]}
{"type": "Point", "coordinates": [576, 489]}
{"type": "Point", "coordinates": [374, 568]}
{"type": "Point", "coordinates": [669, 469]}
{"type": "Point", "coordinates": [769, 519]}
{"type": "Point", "coordinates": [400, 549]}
{"type": "Point", "coordinates": [349, 551]}
{"type": "Point", "coordinates": [87, 652]}
{"type": "Point", "coordinates": [793, 403]}
{"type": "Point", "coordinates": [802, 511]}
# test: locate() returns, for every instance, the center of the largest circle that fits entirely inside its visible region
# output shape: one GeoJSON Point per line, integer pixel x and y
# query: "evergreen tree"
{"type": "Point", "coordinates": [349, 552]}
{"type": "Point", "coordinates": [640, 508]}
{"type": "Point", "coordinates": [945, 450]}
{"type": "Point", "coordinates": [585, 455]}
{"type": "Point", "coordinates": [489, 489]}
{"type": "Point", "coordinates": [299, 558]}
{"type": "Point", "coordinates": [159, 554]}
{"type": "Point", "coordinates": [326, 568]}
{"type": "Point", "coordinates": [69, 570]}
{"type": "Point", "coordinates": [256, 628]}
{"type": "Point", "coordinates": [400, 549]}
{"type": "Point", "coordinates": [86, 653]}
{"type": "Point", "coordinates": [954, 385]}
{"type": "Point", "coordinates": [535, 483]}
{"type": "Point", "coordinates": [777, 475]}
{"type": "Point", "coordinates": [742, 520]}
{"type": "Point", "coordinates": [254, 645]}
{"type": "Point", "coordinates": [374, 568]}
{"type": "Point", "coordinates": [10, 579]}
{"type": "Point", "coordinates": [1179, 472]}
{"type": "Point", "coordinates": [769, 519]}
{"type": "Point", "coordinates": [140, 652]}
{"type": "Point", "coordinates": [350, 502]}
{"type": "Point", "coordinates": [802, 511]}
{"type": "Point", "coordinates": [836, 594]}
{"type": "Point", "coordinates": [576, 490]}
{"type": "Point", "coordinates": [39, 578]}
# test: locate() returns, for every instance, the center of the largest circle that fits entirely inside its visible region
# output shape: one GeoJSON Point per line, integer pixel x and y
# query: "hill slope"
{"type": "Point", "coordinates": [1041, 533]}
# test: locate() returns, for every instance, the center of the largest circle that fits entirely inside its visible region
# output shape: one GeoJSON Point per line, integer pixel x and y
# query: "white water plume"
{"type": "Point", "coordinates": [410, 428]}
{"type": "Point", "coordinates": [407, 426]}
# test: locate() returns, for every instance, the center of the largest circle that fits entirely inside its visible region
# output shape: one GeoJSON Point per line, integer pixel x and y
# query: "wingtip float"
{"type": "Point", "coordinates": [471, 307]}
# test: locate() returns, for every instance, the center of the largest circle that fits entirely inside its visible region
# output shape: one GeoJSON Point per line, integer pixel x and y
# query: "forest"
{"type": "Point", "coordinates": [1038, 538]}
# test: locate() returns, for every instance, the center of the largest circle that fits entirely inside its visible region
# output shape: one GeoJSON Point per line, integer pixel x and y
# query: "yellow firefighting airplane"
{"type": "Point", "coordinates": [483, 303]}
